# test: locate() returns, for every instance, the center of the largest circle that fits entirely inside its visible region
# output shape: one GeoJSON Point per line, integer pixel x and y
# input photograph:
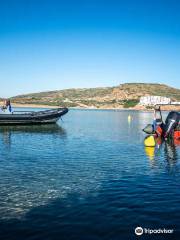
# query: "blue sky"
{"type": "Point", "coordinates": [49, 45]}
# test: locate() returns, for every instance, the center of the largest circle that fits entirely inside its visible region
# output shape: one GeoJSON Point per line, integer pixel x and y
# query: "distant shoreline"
{"type": "Point", "coordinates": [32, 106]}
{"type": "Point", "coordinates": [136, 108]}
{"type": "Point", "coordinates": [17, 105]}
{"type": "Point", "coordinates": [83, 108]}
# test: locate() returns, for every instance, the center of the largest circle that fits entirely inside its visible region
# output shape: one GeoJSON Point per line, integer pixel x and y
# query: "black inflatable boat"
{"type": "Point", "coordinates": [32, 117]}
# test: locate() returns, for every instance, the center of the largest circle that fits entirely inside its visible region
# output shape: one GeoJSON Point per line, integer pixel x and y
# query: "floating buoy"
{"type": "Point", "coordinates": [149, 141]}
{"type": "Point", "coordinates": [129, 118]}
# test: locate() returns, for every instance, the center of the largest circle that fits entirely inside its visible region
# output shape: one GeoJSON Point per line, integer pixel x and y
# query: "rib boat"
{"type": "Point", "coordinates": [32, 117]}
{"type": "Point", "coordinates": [160, 130]}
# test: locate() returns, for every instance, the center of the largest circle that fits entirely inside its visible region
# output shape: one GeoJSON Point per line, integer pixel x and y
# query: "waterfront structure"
{"type": "Point", "coordinates": [154, 100]}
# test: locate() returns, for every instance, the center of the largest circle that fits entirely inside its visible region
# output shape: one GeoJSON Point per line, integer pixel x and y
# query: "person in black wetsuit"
{"type": "Point", "coordinates": [171, 123]}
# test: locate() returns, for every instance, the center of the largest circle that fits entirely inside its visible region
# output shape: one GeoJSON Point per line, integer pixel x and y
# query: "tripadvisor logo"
{"type": "Point", "coordinates": [139, 231]}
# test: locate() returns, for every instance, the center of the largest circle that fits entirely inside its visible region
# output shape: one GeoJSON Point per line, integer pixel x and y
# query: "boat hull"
{"type": "Point", "coordinates": [24, 118]}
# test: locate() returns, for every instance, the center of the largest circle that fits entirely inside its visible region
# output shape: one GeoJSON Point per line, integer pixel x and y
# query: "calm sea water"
{"type": "Point", "coordinates": [88, 177]}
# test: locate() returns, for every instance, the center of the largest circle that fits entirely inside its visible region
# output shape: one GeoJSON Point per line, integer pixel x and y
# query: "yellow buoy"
{"type": "Point", "coordinates": [150, 141]}
{"type": "Point", "coordinates": [129, 118]}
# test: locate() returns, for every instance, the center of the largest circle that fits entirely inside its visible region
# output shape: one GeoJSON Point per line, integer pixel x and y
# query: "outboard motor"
{"type": "Point", "coordinates": [171, 123]}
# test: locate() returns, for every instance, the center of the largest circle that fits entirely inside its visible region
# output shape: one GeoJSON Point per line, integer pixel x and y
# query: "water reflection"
{"type": "Point", "coordinates": [150, 152]}
{"type": "Point", "coordinates": [46, 128]}
{"type": "Point", "coordinates": [170, 152]}
{"type": "Point", "coordinates": [166, 148]}
{"type": "Point", "coordinates": [99, 159]}
{"type": "Point", "coordinates": [6, 137]}
{"type": "Point", "coordinates": [6, 132]}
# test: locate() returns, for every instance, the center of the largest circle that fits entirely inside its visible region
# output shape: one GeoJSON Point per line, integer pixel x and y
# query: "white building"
{"type": "Point", "coordinates": [175, 103]}
{"type": "Point", "coordinates": [154, 100]}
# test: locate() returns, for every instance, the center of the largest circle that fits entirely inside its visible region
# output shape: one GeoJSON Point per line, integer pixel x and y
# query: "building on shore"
{"type": "Point", "coordinates": [154, 100]}
{"type": "Point", "coordinates": [175, 103]}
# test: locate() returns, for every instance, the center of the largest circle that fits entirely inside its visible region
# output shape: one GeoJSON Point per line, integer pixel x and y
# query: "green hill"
{"type": "Point", "coordinates": [127, 94]}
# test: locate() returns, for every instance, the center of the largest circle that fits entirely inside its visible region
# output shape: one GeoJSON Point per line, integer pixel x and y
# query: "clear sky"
{"type": "Point", "coordinates": [49, 45]}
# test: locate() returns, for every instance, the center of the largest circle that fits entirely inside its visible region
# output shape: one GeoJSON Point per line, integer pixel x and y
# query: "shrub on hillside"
{"type": "Point", "coordinates": [130, 103]}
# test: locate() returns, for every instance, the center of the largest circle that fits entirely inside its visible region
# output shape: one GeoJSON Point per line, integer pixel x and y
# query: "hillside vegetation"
{"type": "Point", "coordinates": [126, 95]}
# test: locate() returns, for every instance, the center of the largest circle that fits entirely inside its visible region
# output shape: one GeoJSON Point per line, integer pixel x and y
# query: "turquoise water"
{"type": "Point", "coordinates": [88, 177]}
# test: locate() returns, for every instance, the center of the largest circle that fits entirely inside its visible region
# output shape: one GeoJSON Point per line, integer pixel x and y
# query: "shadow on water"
{"type": "Point", "coordinates": [79, 218]}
